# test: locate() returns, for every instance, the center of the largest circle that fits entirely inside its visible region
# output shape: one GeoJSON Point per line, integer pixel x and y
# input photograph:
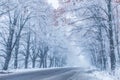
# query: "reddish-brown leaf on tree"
{"type": "Point", "coordinates": [118, 1]}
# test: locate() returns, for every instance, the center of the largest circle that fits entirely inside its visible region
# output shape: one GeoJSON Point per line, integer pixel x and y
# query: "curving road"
{"type": "Point", "coordinates": [50, 74]}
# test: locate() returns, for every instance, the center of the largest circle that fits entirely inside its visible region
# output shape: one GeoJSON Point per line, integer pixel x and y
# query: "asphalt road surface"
{"type": "Point", "coordinates": [50, 74]}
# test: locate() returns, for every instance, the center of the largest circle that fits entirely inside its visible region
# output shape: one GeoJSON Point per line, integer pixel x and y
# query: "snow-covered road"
{"type": "Point", "coordinates": [50, 74]}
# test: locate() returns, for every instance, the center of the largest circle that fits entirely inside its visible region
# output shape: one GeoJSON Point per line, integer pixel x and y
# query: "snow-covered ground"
{"type": "Point", "coordinates": [106, 75]}
{"type": "Point", "coordinates": [101, 75]}
{"type": "Point", "coordinates": [68, 73]}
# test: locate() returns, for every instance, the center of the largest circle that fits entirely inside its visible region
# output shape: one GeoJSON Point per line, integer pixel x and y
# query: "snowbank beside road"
{"type": "Point", "coordinates": [102, 75]}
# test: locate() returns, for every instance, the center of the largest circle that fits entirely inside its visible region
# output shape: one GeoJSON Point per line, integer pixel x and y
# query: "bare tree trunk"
{"type": "Point", "coordinates": [41, 63]}
{"type": "Point", "coordinates": [112, 53]}
{"type": "Point", "coordinates": [102, 50]}
{"type": "Point", "coordinates": [51, 62]}
{"type": "Point", "coordinates": [16, 53]}
{"type": "Point", "coordinates": [9, 47]}
{"type": "Point", "coordinates": [33, 63]}
{"type": "Point", "coordinates": [27, 51]}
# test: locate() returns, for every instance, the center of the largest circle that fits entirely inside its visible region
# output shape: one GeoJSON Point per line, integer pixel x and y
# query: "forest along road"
{"type": "Point", "coordinates": [50, 74]}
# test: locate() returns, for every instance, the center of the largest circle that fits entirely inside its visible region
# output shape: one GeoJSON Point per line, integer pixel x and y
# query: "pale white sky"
{"type": "Point", "coordinates": [54, 3]}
